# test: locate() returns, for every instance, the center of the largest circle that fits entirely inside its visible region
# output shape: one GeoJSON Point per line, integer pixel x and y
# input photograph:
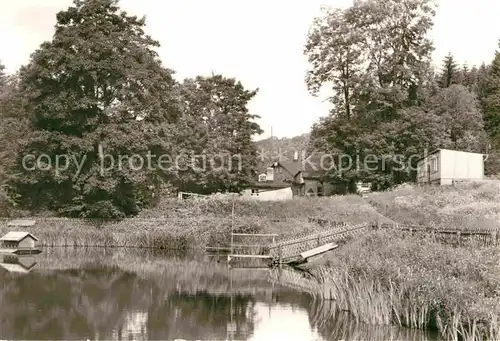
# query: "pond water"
{"type": "Point", "coordinates": [98, 294]}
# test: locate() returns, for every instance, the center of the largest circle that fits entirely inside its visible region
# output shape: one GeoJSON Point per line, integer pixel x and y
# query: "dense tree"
{"type": "Point", "coordinates": [216, 132]}
{"type": "Point", "coordinates": [3, 76]}
{"type": "Point", "coordinates": [459, 112]}
{"type": "Point", "coordinates": [5, 201]}
{"type": "Point", "coordinates": [488, 91]}
{"type": "Point", "coordinates": [377, 55]}
{"type": "Point", "coordinates": [14, 127]}
{"type": "Point", "coordinates": [490, 100]}
{"type": "Point", "coordinates": [470, 78]}
{"type": "Point", "coordinates": [274, 148]}
{"type": "Point", "coordinates": [334, 51]}
{"type": "Point", "coordinates": [396, 50]}
{"type": "Point", "coordinates": [449, 72]}
{"type": "Point", "coordinates": [97, 83]}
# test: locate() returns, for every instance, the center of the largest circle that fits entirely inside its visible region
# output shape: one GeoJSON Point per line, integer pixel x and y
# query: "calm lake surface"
{"type": "Point", "coordinates": [120, 294]}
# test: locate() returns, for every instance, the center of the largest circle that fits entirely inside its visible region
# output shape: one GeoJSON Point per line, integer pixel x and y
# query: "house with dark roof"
{"type": "Point", "coordinates": [305, 175]}
{"type": "Point", "coordinates": [271, 185]}
{"type": "Point", "coordinates": [311, 179]}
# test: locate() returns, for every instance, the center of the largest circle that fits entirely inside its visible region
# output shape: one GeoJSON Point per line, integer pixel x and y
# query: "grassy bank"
{"type": "Point", "coordinates": [196, 223]}
{"type": "Point", "coordinates": [385, 278]}
{"type": "Point", "coordinates": [465, 206]}
{"type": "Point", "coordinates": [391, 277]}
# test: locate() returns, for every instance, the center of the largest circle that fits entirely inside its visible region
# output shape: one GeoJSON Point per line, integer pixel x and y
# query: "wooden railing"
{"type": "Point", "coordinates": [479, 235]}
{"type": "Point", "coordinates": [287, 250]}
{"type": "Point", "coordinates": [248, 250]}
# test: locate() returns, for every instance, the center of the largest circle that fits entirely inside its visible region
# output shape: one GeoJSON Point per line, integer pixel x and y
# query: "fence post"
{"type": "Point", "coordinates": [318, 241]}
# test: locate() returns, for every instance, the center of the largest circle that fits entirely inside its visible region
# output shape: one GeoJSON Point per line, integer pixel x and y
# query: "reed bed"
{"type": "Point", "coordinates": [197, 223]}
{"type": "Point", "coordinates": [176, 232]}
{"type": "Point", "coordinates": [336, 324]}
{"type": "Point", "coordinates": [385, 279]}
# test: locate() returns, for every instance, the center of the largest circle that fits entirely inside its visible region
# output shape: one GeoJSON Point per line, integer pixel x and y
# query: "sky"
{"type": "Point", "coordinates": [258, 42]}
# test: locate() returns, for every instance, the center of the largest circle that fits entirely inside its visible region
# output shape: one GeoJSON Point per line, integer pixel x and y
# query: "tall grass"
{"type": "Point", "coordinates": [464, 206]}
{"type": "Point", "coordinates": [337, 324]}
{"type": "Point", "coordinates": [349, 209]}
{"type": "Point", "coordinates": [385, 279]}
{"type": "Point", "coordinates": [196, 223]}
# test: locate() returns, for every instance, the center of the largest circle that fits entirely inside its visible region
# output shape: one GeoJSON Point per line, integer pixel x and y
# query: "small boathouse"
{"type": "Point", "coordinates": [18, 241]}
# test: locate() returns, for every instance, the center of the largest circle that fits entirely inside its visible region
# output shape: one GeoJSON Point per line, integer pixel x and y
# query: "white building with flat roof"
{"type": "Point", "coordinates": [445, 167]}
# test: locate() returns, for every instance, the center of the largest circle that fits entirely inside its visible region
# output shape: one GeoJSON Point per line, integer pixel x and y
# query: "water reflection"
{"type": "Point", "coordinates": [17, 264]}
{"type": "Point", "coordinates": [128, 295]}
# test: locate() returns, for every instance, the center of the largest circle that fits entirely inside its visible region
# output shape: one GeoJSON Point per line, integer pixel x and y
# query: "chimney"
{"type": "Point", "coordinates": [295, 155]}
{"type": "Point", "coordinates": [270, 174]}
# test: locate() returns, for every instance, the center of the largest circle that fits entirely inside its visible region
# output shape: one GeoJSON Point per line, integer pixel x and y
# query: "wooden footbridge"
{"type": "Point", "coordinates": [299, 248]}
{"type": "Point", "coordinates": [296, 249]}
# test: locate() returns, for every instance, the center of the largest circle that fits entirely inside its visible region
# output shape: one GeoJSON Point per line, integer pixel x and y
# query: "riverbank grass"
{"type": "Point", "coordinates": [384, 278]}
{"type": "Point", "coordinates": [463, 206]}
{"type": "Point", "coordinates": [194, 224]}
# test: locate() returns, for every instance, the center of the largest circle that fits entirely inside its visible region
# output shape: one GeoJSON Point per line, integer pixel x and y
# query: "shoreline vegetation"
{"type": "Point", "coordinates": [390, 278]}
{"type": "Point", "coordinates": [196, 223]}
{"type": "Point", "coordinates": [385, 277]}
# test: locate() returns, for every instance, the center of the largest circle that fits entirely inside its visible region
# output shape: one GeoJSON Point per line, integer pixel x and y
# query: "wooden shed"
{"type": "Point", "coordinates": [18, 240]}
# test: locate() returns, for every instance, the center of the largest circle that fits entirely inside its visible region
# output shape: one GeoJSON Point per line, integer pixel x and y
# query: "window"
{"type": "Point", "coordinates": [434, 165]}
{"type": "Point", "coordinates": [262, 177]}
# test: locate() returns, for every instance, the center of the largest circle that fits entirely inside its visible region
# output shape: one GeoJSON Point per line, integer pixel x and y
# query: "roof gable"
{"type": "Point", "coordinates": [316, 165]}
{"type": "Point", "coordinates": [292, 167]}
{"type": "Point", "coordinates": [17, 236]}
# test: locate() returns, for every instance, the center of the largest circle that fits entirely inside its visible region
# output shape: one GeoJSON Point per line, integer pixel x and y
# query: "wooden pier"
{"type": "Point", "coordinates": [257, 251]}
{"type": "Point", "coordinates": [294, 250]}
{"type": "Point", "coordinates": [299, 249]}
